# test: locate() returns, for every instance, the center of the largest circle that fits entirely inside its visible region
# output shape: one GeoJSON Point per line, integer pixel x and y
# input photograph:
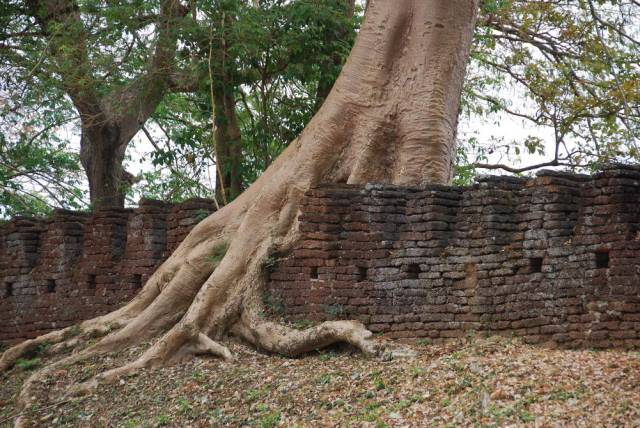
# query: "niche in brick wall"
{"type": "Point", "coordinates": [51, 285]}
{"type": "Point", "coordinates": [535, 264]}
{"type": "Point", "coordinates": [314, 272]}
{"type": "Point", "coordinates": [137, 281]}
{"type": "Point", "coordinates": [362, 273]}
{"type": "Point", "coordinates": [91, 281]}
{"type": "Point", "coordinates": [413, 271]}
{"type": "Point", "coordinates": [8, 289]}
{"type": "Point", "coordinates": [602, 259]}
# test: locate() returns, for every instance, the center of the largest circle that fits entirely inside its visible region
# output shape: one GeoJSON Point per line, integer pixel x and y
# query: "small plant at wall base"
{"type": "Point", "coordinates": [274, 304]}
{"type": "Point", "coordinates": [335, 311]}
{"type": "Point", "coordinates": [272, 261]}
{"type": "Point", "coordinates": [201, 215]}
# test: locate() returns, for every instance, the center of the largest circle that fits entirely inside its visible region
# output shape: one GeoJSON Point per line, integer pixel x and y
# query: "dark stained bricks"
{"type": "Point", "coordinates": [74, 266]}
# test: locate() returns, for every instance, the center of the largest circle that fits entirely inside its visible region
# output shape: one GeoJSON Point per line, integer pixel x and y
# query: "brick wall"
{"type": "Point", "coordinates": [552, 259]}
{"type": "Point", "coordinates": [73, 266]}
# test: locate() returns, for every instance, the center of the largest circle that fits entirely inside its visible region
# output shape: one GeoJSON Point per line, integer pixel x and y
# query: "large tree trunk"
{"type": "Point", "coordinates": [391, 118]}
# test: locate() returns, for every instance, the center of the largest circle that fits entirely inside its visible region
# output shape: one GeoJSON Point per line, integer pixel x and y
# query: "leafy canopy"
{"type": "Point", "coordinates": [567, 71]}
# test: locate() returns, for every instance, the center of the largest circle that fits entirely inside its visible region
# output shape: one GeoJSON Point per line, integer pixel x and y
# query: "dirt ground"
{"type": "Point", "coordinates": [472, 382]}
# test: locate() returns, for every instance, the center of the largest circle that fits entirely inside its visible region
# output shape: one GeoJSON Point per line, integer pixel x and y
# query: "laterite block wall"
{"type": "Point", "coordinates": [553, 259]}
{"type": "Point", "coordinates": [73, 266]}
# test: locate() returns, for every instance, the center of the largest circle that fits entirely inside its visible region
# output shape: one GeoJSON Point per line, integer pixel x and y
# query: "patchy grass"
{"type": "Point", "coordinates": [274, 305]}
{"type": "Point", "coordinates": [218, 253]}
{"type": "Point", "coordinates": [481, 382]}
{"type": "Point", "coordinates": [26, 365]}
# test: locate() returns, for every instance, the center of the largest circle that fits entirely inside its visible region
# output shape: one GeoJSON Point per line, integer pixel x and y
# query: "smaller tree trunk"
{"type": "Point", "coordinates": [101, 155]}
{"type": "Point", "coordinates": [228, 146]}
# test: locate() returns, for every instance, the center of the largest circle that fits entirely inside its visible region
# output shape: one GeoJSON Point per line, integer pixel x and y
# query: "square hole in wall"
{"type": "Point", "coordinates": [91, 281]}
{"type": "Point", "coordinates": [8, 289]}
{"type": "Point", "coordinates": [602, 259]}
{"type": "Point", "coordinates": [314, 272]}
{"type": "Point", "coordinates": [413, 271]}
{"type": "Point", "coordinates": [362, 273]}
{"type": "Point", "coordinates": [137, 281]}
{"type": "Point", "coordinates": [51, 285]}
{"type": "Point", "coordinates": [535, 264]}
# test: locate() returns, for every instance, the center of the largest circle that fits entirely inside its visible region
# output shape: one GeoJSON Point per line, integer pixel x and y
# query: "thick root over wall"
{"type": "Point", "coordinates": [391, 117]}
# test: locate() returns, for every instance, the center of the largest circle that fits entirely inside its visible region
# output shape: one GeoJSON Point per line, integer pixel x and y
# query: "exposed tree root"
{"type": "Point", "coordinates": [206, 345]}
{"type": "Point", "coordinates": [57, 342]}
{"type": "Point", "coordinates": [13, 354]}
{"type": "Point", "coordinates": [279, 339]}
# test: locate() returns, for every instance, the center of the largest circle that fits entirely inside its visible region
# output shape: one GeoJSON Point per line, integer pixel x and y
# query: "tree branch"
{"type": "Point", "coordinates": [69, 51]}
{"type": "Point", "coordinates": [518, 170]}
{"type": "Point", "coordinates": [136, 103]}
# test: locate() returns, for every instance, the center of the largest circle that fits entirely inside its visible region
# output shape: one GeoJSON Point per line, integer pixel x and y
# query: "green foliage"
{"type": "Point", "coordinates": [335, 310]}
{"type": "Point", "coordinates": [252, 395]}
{"type": "Point", "coordinates": [201, 215]}
{"type": "Point", "coordinates": [273, 62]}
{"type": "Point", "coordinates": [273, 303]}
{"type": "Point", "coordinates": [42, 348]}
{"type": "Point", "coordinates": [271, 59]}
{"type": "Point", "coordinates": [184, 407]}
{"type": "Point", "coordinates": [326, 356]}
{"type": "Point", "coordinates": [270, 420]}
{"type": "Point", "coordinates": [24, 364]}
{"type": "Point", "coordinates": [30, 167]}
{"type": "Point", "coordinates": [566, 72]}
{"type": "Point", "coordinates": [417, 372]}
{"type": "Point", "coordinates": [162, 420]}
{"type": "Point", "coordinates": [324, 379]}
{"type": "Point", "coordinates": [218, 253]}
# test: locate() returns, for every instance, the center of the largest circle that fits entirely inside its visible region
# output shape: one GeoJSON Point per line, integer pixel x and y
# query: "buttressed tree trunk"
{"type": "Point", "coordinates": [390, 118]}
